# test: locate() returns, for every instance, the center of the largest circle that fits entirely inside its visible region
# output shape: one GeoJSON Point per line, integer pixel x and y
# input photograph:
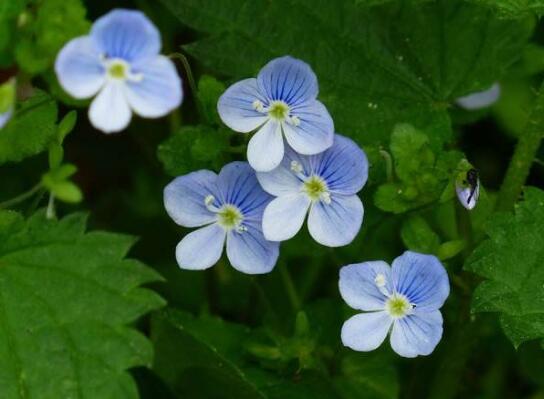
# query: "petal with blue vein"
{"type": "Point", "coordinates": [265, 149]}
{"type": "Point", "coordinates": [417, 334]}
{"type": "Point", "coordinates": [201, 248]}
{"type": "Point", "coordinates": [284, 216]}
{"type": "Point", "coordinates": [249, 252]}
{"type": "Point", "coordinates": [358, 285]}
{"type": "Point", "coordinates": [366, 331]}
{"type": "Point", "coordinates": [109, 111]}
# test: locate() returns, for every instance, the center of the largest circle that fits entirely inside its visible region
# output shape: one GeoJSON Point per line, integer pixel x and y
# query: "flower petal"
{"type": "Point", "coordinates": [288, 79]}
{"type": "Point", "coordinates": [284, 216]}
{"type": "Point", "coordinates": [467, 197]}
{"type": "Point", "coordinates": [265, 149]}
{"type": "Point", "coordinates": [184, 198]}
{"type": "Point", "coordinates": [422, 278]}
{"type": "Point", "coordinates": [481, 99]}
{"type": "Point", "coordinates": [366, 331]}
{"type": "Point", "coordinates": [315, 133]}
{"type": "Point", "coordinates": [249, 252]}
{"type": "Point", "coordinates": [202, 248]}
{"type": "Point", "coordinates": [78, 68]}
{"type": "Point", "coordinates": [283, 180]}
{"type": "Point", "coordinates": [109, 111]}
{"type": "Point", "coordinates": [5, 117]}
{"type": "Point", "coordinates": [336, 224]}
{"type": "Point", "coordinates": [126, 34]}
{"type": "Point", "coordinates": [417, 334]}
{"type": "Point", "coordinates": [238, 185]}
{"type": "Point", "coordinates": [235, 106]}
{"type": "Point", "coordinates": [344, 166]}
{"type": "Point", "coordinates": [358, 285]}
{"type": "Point", "coordinates": [160, 90]}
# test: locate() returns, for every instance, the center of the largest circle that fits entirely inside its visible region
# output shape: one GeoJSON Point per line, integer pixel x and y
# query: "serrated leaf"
{"type": "Point", "coordinates": [511, 263]}
{"type": "Point", "coordinates": [66, 298]}
{"type": "Point", "coordinates": [376, 67]}
{"type": "Point", "coordinates": [31, 129]}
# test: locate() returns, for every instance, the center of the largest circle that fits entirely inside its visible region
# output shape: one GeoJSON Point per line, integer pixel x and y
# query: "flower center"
{"type": "Point", "coordinates": [317, 189]}
{"type": "Point", "coordinates": [118, 69]}
{"type": "Point", "coordinates": [278, 110]}
{"type": "Point", "coordinates": [398, 306]}
{"type": "Point", "coordinates": [229, 217]}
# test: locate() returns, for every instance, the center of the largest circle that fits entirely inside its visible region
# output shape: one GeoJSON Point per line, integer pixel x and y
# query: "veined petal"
{"type": "Point", "coordinates": [249, 252]}
{"type": "Point", "coordinates": [109, 111]}
{"type": "Point", "coordinates": [366, 331]}
{"type": "Point", "coordinates": [126, 34]}
{"type": "Point", "coordinates": [481, 99]}
{"type": "Point", "coordinates": [337, 223]}
{"type": "Point", "coordinates": [265, 149]}
{"type": "Point", "coordinates": [359, 285]}
{"type": "Point", "coordinates": [159, 91]}
{"type": "Point", "coordinates": [314, 133]}
{"type": "Point", "coordinates": [202, 248]}
{"type": "Point", "coordinates": [288, 79]}
{"type": "Point", "coordinates": [283, 180]}
{"type": "Point", "coordinates": [238, 185]}
{"type": "Point", "coordinates": [423, 280]}
{"type": "Point", "coordinates": [417, 334]}
{"type": "Point", "coordinates": [78, 68]}
{"type": "Point", "coordinates": [236, 109]}
{"type": "Point", "coordinates": [283, 217]}
{"type": "Point", "coordinates": [344, 166]}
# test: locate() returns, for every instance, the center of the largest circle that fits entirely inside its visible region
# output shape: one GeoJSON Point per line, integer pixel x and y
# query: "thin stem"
{"type": "Point", "coordinates": [191, 81]}
{"type": "Point", "coordinates": [388, 164]}
{"type": "Point", "coordinates": [50, 213]}
{"type": "Point", "coordinates": [22, 197]}
{"type": "Point", "coordinates": [289, 286]}
{"type": "Point", "coordinates": [524, 156]}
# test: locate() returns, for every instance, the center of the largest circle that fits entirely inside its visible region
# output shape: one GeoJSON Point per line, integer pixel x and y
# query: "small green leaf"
{"type": "Point", "coordinates": [209, 91]}
{"type": "Point", "coordinates": [418, 236]}
{"type": "Point", "coordinates": [66, 125]}
{"type": "Point", "coordinates": [450, 249]}
{"type": "Point", "coordinates": [7, 96]}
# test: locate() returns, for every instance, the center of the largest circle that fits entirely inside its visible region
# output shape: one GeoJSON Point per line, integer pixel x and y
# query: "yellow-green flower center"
{"type": "Point", "coordinates": [315, 187]}
{"type": "Point", "coordinates": [278, 110]}
{"type": "Point", "coordinates": [229, 217]}
{"type": "Point", "coordinates": [398, 306]}
{"type": "Point", "coordinates": [118, 70]}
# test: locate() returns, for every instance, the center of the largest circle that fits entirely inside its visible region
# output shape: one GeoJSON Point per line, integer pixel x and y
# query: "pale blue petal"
{"type": "Point", "coordinates": [467, 197]}
{"type": "Point", "coordinates": [336, 224]}
{"type": "Point", "coordinates": [416, 334]}
{"type": "Point", "coordinates": [184, 198]}
{"type": "Point", "coordinates": [235, 106]}
{"type": "Point", "coordinates": [481, 99]}
{"type": "Point", "coordinates": [109, 111]}
{"type": "Point", "coordinates": [202, 248]}
{"type": "Point", "coordinates": [288, 79]}
{"type": "Point", "coordinates": [249, 252]}
{"type": "Point", "coordinates": [160, 90]}
{"type": "Point", "coordinates": [315, 133]}
{"type": "Point", "coordinates": [358, 285]}
{"type": "Point", "coordinates": [366, 331]}
{"type": "Point", "coordinates": [283, 180]}
{"type": "Point", "coordinates": [126, 34]}
{"type": "Point", "coordinates": [284, 216]}
{"type": "Point", "coordinates": [265, 149]}
{"type": "Point", "coordinates": [344, 166]}
{"type": "Point", "coordinates": [423, 280]}
{"type": "Point", "coordinates": [5, 117]}
{"type": "Point", "coordinates": [78, 68]}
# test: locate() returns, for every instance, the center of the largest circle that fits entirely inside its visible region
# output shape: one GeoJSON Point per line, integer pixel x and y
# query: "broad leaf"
{"type": "Point", "coordinates": [376, 66]}
{"type": "Point", "coordinates": [514, 8]}
{"type": "Point", "coordinates": [66, 298]}
{"type": "Point", "coordinates": [511, 262]}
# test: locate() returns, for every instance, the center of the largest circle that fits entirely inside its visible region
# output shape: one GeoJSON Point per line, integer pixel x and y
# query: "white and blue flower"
{"type": "Point", "coordinates": [230, 207]}
{"type": "Point", "coordinates": [404, 299]}
{"type": "Point", "coordinates": [480, 99]}
{"type": "Point", "coordinates": [325, 186]}
{"type": "Point", "coordinates": [119, 62]}
{"type": "Point", "coordinates": [280, 102]}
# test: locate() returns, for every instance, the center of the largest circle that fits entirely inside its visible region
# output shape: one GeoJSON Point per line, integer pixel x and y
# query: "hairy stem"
{"type": "Point", "coordinates": [524, 156]}
{"type": "Point", "coordinates": [22, 197]}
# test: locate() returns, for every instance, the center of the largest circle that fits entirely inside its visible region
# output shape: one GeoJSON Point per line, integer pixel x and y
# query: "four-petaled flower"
{"type": "Point", "coordinates": [120, 61]}
{"type": "Point", "coordinates": [404, 299]}
{"type": "Point", "coordinates": [326, 184]}
{"type": "Point", "coordinates": [281, 101]}
{"type": "Point", "coordinates": [230, 206]}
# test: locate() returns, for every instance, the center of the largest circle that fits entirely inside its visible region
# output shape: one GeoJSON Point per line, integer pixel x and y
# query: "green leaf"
{"type": "Point", "coordinates": [418, 236]}
{"type": "Point", "coordinates": [46, 31]}
{"type": "Point", "coordinates": [450, 249]}
{"type": "Point", "coordinates": [376, 67]}
{"type": "Point", "coordinates": [9, 15]}
{"type": "Point", "coordinates": [66, 298]}
{"type": "Point", "coordinates": [511, 261]}
{"type": "Point", "coordinates": [66, 125]}
{"type": "Point", "coordinates": [31, 130]}
{"type": "Point", "coordinates": [209, 91]}
{"type": "Point", "coordinates": [514, 8]}
{"type": "Point", "coordinates": [192, 148]}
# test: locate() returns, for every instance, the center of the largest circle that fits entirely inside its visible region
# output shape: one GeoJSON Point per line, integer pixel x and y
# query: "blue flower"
{"type": "Point", "coordinates": [120, 61]}
{"type": "Point", "coordinates": [404, 299]}
{"type": "Point", "coordinates": [467, 187]}
{"type": "Point", "coordinates": [230, 207]}
{"type": "Point", "coordinates": [326, 185]}
{"type": "Point", "coordinates": [481, 99]}
{"type": "Point", "coordinates": [280, 102]}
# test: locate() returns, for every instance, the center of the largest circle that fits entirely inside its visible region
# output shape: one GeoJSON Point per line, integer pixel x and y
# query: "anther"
{"type": "Point", "coordinates": [258, 106]}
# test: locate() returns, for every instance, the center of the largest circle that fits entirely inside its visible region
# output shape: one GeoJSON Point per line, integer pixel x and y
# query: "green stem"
{"type": "Point", "coordinates": [524, 156]}
{"type": "Point", "coordinates": [22, 197]}
{"type": "Point", "coordinates": [190, 80]}
{"type": "Point", "coordinates": [289, 286]}
{"type": "Point", "coordinates": [238, 149]}
{"type": "Point", "coordinates": [388, 164]}
{"type": "Point", "coordinates": [50, 213]}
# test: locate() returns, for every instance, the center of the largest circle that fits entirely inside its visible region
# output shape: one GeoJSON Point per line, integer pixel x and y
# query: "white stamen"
{"type": "Point", "coordinates": [258, 106]}
{"type": "Point", "coordinates": [208, 201]}
{"type": "Point", "coordinates": [241, 229]}
{"type": "Point", "coordinates": [296, 167]}
{"type": "Point", "coordinates": [326, 197]}
{"type": "Point", "coordinates": [295, 121]}
{"type": "Point", "coordinates": [380, 280]}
